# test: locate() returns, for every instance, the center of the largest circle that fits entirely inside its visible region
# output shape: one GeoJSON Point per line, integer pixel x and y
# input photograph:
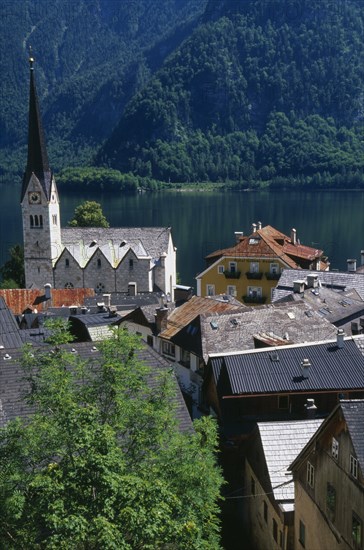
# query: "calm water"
{"type": "Point", "coordinates": [204, 222]}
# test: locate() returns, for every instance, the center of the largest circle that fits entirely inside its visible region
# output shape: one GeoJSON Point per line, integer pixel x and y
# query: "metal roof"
{"type": "Point", "coordinates": [279, 369]}
{"type": "Point", "coordinates": [281, 443]}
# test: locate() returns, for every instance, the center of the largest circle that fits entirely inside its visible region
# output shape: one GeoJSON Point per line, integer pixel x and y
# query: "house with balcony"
{"type": "Point", "coordinates": [250, 269]}
{"type": "Point", "coordinates": [329, 482]}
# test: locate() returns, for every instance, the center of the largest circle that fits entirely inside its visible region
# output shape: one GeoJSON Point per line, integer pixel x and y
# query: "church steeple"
{"type": "Point", "coordinates": [37, 162]}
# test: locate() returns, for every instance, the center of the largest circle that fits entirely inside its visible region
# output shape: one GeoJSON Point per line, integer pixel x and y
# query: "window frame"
{"type": "Point", "coordinates": [353, 466]}
{"type": "Point", "coordinates": [310, 474]}
{"type": "Point", "coordinates": [330, 501]}
{"type": "Point", "coordinates": [233, 267]}
{"type": "Point", "coordinates": [335, 448]}
{"type": "Point", "coordinates": [168, 348]}
{"type": "Point", "coordinates": [302, 533]}
{"type": "Point", "coordinates": [220, 269]}
{"type": "Point", "coordinates": [210, 290]}
{"type": "Point", "coordinates": [231, 290]}
{"type": "Point", "coordinates": [254, 267]}
{"type": "Point", "coordinates": [255, 292]}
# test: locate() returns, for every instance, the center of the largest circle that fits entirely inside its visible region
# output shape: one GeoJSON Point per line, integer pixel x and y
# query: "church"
{"type": "Point", "coordinates": [108, 260]}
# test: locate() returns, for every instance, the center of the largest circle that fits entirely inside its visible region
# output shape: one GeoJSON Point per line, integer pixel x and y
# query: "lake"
{"type": "Point", "coordinates": [203, 222]}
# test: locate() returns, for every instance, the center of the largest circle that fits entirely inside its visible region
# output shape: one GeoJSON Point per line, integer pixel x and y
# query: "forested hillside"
{"type": "Point", "coordinates": [264, 92]}
{"type": "Point", "coordinates": [91, 57]}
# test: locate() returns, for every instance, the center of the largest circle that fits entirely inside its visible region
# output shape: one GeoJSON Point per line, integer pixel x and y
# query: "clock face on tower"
{"type": "Point", "coordinates": [34, 197]}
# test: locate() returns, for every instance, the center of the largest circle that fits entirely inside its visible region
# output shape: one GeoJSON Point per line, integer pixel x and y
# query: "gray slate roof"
{"type": "Point", "coordinates": [82, 242]}
{"type": "Point", "coordinates": [354, 417]}
{"type": "Point", "coordinates": [14, 387]}
{"type": "Point", "coordinates": [336, 280]}
{"type": "Point", "coordinates": [9, 329]}
{"type": "Point", "coordinates": [273, 370]}
{"type": "Point", "coordinates": [281, 443]}
{"type": "Point", "coordinates": [292, 323]}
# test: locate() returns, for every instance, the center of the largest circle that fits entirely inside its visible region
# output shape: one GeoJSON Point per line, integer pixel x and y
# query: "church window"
{"type": "Point", "coordinates": [40, 220]}
{"type": "Point", "coordinates": [67, 262]}
{"type": "Point", "coordinates": [100, 287]}
{"type": "Point", "coordinates": [98, 262]}
{"type": "Point", "coordinates": [131, 263]}
{"type": "Point", "coordinates": [54, 219]}
{"type": "Point", "coordinates": [31, 221]}
{"type": "Point", "coordinates": [36, 221]}
{"type": "Point", "coordinates": [68, 285]}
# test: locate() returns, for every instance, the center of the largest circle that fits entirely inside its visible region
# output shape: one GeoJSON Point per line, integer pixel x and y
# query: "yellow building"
{"type": "Point", "coordinates": [250, 269]}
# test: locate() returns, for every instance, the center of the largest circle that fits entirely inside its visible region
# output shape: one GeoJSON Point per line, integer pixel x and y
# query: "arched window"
{"type": "Point", "coordinates": [31, 221]}
{"type": "Point", "coordinates": [98, 262]}
{"type": "Point", "coordinates": [36, 221]}
{"type": "Point", "coordinates": [67, 262]}
{"type": "Point", "coordinates": [41, 220]}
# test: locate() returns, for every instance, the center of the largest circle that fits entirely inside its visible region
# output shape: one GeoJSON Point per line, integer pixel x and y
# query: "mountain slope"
{"type": "Point", "coordinates": [262, 90]}
{"type": "Point", "coordinates": [91, 56]}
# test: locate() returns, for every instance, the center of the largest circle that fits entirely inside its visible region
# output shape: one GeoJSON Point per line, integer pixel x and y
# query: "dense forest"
{"type": "Point", "coordinates": [91, 57]}
{"type": "Point", "coordinates": [265, 93]}
{"type": "Point", "coordinates": [250, 93]}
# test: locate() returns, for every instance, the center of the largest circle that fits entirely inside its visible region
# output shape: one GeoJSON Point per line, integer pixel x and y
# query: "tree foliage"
{"type": "Point", "coordinates": [102, 462]}
{"type": "Point", "coordinates": [12, 272]}
{"type": "Point", "coordinates": [89, 214]}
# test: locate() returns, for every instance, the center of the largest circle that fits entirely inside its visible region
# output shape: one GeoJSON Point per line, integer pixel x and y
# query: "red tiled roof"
{"type": "Point", "coordinates": [19, 299]}
{"type": "Point", "coordinates": [268, 242]}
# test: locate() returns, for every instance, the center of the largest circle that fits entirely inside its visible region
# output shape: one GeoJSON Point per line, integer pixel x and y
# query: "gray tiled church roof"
{"type": "Point", "coordinates": [150, 241]}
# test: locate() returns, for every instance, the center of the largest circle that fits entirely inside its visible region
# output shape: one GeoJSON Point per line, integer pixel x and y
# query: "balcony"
{"type": "Point", "coordinates": [272, 276]}
{"type": "Point", "coordinates": [232, 274]}
{"type": "Point", "coordinates": [254, 274]}
{"type": "Point", "coordinates": [254, 299]}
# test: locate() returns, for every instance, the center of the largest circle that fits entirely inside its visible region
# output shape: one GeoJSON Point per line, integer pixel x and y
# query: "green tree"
{"type": "Point", "coordinates": [12, 272]}
{"type": "Point", "coordinates": [102, 462]}
{"type": "Point", "coordinates": [89, 214]}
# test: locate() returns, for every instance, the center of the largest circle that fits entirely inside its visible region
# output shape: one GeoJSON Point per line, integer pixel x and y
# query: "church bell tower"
{"type": "Point", "coordinates": [39, 203]}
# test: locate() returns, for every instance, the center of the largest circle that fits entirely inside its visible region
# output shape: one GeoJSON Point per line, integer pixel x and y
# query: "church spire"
{"type": "Point", "coordinates": [37, 162]}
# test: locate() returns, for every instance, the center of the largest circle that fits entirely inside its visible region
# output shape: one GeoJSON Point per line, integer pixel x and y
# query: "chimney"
{"type": "Point", "coordinates": [254, 227]}
{"type": "Point", "coordinates": [351, 265]}
{"type": "Point", "coordinates": [47, 291]}
{"type": "Point", "coordinates": [238, 235]}
{"type": "Point", "coordinates": [293, 236]}
{"type": "Point", "coordinates": [107, 299]}
{"type": "Point", "coordinates": [305, 365]}
{"type": "Point", "coordinates": [132, 289]}
{"type": "Point", "coordinates": [298, 287]}
{"type": "Point", "coordinates": [312, 281]}
{"type": "Point", "coordinates": [340, 338]}
{"type": "Point", "coordinates": [362, 257]}
{"type": "Point", "coordinates": [259, 225]}
{"type": "Point", "coordinates": [310, 408]}
{"type": "Point", "coordinates": [161, 317]}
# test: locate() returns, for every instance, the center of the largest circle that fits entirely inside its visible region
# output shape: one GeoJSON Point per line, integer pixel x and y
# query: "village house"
{"type": "Point", "coordinates": [329, 482]}
{"type": "Point", "coordinates": [268, 485]}
{"type": "Point", "coordinates": [280, 383]}
{"type": "Point", "coordinates": [107, 260]}
{"type": "Point", "coordinates": [249, 270]}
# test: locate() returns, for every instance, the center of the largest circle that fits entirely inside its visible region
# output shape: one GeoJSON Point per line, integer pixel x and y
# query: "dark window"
{"type": "Point", "coordinates": [353, 466]}
{"type": "Point", "coordinates": [41, 220]}
{"type": "Point", "coordinates": [275, 530]}
{"type": "Point", "coordinates": [283, 402]}
{"type": "Point", "coordinates": [98, 262]}
{"type": "Point", "coordinates": [302, 534]}
{"type": "Point", "coordinates": [31, 221]}
{"type": "Point", "coordinates": [168, 348]}
{"type": "Point", "coordinates": [36, 221]}
{"type": "Point", "coordinates": [252, 486]}
{"type": "Point", "coordinates": [357, 531]}
{"type": "Point", "coordinates": [331, 501]}
{"type": "Point", "coordinates": [131, 263]}
{"type": "Point", "coordinates": [67, 262]}
{"type": "Point", "coordinates": [265, 511]}
{"type": "Point", "coordinates": [150, 340]}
